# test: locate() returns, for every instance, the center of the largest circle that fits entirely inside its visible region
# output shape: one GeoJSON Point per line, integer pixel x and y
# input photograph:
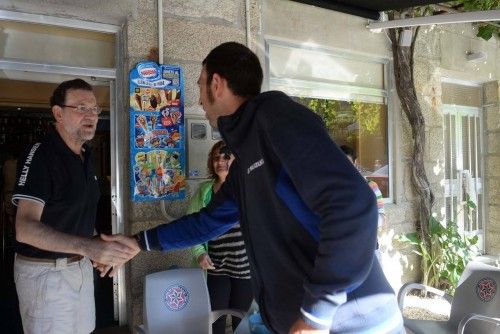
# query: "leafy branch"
{"type": "Point", "coordinates": [486, 30]}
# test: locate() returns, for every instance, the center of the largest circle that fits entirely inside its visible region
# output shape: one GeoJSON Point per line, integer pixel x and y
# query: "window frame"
{"type": "Point", "coordinates": [353, 90]}
{"type": "Point", "coordinates": [460, 110]}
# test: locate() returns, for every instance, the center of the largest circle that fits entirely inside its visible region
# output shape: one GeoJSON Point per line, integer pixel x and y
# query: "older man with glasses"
{"type": "Point", "coordinates": [56, 196]}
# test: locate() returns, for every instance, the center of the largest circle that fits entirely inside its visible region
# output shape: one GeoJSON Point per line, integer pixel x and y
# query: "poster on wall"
{"type": "Point", "coordinates": [157, 147]}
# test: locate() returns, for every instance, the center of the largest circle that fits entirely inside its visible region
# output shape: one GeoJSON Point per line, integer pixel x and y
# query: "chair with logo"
{"type": "Point", "coordinates": [177, 301]}
{"type": "Point", "coordinates": [475, 307]}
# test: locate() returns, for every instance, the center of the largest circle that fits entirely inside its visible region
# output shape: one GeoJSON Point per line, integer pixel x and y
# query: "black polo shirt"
{"type": "Point", "coordinates": [53, 175]}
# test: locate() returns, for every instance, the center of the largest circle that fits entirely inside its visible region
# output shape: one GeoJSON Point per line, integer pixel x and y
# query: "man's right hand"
{"type": "Point", "coordinates": [205, 262]}
{"type": "Point", "coordinates": [110, 252]}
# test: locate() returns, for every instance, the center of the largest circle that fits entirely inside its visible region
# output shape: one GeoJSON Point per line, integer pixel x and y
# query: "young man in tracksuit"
{"type": "Point", "coordinates": [309, 218]}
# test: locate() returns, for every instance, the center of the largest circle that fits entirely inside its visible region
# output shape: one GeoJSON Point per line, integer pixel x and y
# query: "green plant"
{"type": "Point", "coordinates": [486, 30]}
{"type": "Point", "coordinates": [450, 250]}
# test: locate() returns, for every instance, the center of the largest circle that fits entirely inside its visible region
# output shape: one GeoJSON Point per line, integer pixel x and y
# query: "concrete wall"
{"type": "Point", "coordinates": [492, 165]}
{"type": "Point", "coordinates": [109, 11]}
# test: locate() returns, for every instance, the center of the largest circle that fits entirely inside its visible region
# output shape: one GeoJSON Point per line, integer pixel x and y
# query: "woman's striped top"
{"type": "Point", "coordinates": [229, 255]}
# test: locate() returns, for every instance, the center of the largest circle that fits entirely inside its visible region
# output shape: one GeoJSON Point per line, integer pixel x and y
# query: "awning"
{"type": "Point", "coordinates": [367, 8]}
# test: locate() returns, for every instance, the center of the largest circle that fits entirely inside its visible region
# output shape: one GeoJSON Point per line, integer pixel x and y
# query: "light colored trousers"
{"type": "Point", "coordinates": [55, 298]}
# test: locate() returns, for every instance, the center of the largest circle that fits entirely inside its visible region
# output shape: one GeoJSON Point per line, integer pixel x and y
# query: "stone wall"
{"type": "Point", "coordinates": [191, 28]}
{"type": "Point", "coordinates": [440, 53]}
{"type": "Point", "coordinates": [492, 166]}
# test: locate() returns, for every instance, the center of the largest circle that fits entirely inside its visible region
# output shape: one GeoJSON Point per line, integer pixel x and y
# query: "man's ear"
{"type": "Point", "coordinates": [57, 112]}
{"type": "Point", "coordinates": [218, 85]}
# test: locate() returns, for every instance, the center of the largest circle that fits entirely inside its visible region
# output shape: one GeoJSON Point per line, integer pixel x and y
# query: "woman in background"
{"type": "Point", "coordinates": [224, 258]}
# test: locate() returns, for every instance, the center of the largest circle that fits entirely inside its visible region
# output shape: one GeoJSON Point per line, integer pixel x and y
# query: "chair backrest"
{"type": "Point", "coordinates": [477, 292]}
{"type": "Point", "coordinates": [177, 301]}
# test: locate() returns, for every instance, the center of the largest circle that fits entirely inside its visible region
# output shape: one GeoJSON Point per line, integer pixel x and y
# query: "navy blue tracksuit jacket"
{"type": "Point", "coordinates": [309, 219]}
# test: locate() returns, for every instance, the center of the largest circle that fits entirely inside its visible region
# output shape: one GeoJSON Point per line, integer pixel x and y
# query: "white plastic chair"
{"type": "Point", "coordinates": [177, 301]}
{"type": "Point", "coordinates": [475, 308]}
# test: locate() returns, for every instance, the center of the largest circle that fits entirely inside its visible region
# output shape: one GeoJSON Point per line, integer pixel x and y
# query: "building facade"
{"type": "Point", "coordinates": [314, 55]}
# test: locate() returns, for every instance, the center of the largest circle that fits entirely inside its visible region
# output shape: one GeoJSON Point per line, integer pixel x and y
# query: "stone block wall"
{"type": "Point", "coordinates": [491, 95]}
{"type": "Point", "coordinates": [191, 28]}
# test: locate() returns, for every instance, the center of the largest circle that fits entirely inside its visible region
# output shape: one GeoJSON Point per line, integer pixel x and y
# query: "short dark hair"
{"type": "Point", "coordinates": [216, 149]}
{"type": "Point", "coordinates": [238, 65]}
{"type": "Point", "coordinates": [350, 152]}
{"type": "Point", "coordinates": [58, 97]}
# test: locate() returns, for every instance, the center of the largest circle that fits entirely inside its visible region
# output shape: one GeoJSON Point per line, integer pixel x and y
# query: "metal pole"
{"type": "Point", "coordinates": [481, 16]}
{"type": "Point", "coordinates": [160, 31]}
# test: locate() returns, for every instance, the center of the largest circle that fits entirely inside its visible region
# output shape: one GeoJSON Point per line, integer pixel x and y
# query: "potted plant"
{"type": "Point", "coordinates": [450, 250]}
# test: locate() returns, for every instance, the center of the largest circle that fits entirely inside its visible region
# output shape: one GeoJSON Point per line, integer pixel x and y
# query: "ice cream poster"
{"type": "Point", "coordinates": [157, 146]}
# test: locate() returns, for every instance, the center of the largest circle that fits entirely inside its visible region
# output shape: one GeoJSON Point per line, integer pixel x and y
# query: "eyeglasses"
{"type": "Point", "coordinates": [84, 109]}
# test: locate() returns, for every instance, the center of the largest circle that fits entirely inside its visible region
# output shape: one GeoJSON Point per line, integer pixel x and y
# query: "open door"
{"type": "Point", "coordinates": [38, 52]}
{"type": "Point", "coordinates": [25, 117]}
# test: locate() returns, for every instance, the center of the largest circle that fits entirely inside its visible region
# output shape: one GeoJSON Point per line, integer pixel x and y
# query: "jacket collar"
{"type": "Point", "coordinates": [235, 128]}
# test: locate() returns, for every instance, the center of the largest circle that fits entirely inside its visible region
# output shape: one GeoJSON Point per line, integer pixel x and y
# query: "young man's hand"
{"type": "Point", "coordinates": [133, 250]}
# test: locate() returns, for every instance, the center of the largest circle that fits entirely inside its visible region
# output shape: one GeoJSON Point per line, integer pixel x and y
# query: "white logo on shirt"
{"type": "Point", "coordinates": [26, 167]}
{"type": "Point", "coordinates": [256, 164]}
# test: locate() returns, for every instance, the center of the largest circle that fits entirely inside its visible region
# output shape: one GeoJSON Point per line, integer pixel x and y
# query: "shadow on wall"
{"type": "Point", "coordinates": [400, 265]}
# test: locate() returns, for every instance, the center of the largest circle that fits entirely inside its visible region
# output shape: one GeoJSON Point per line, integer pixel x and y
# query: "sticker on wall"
{"type": "Point", "coordinates": [157, 147]}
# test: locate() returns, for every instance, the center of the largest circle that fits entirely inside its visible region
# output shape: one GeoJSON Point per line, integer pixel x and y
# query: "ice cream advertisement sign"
{"type": "Point", "coordinates": [157, 145]}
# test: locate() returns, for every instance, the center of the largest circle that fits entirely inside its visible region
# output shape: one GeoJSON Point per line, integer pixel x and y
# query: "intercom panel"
{"type": "Point", "coordinates": [200, 139]}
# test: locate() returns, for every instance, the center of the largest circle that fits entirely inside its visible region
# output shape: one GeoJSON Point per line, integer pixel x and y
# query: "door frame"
{"type": "Point", "coordinates": [117, 123]}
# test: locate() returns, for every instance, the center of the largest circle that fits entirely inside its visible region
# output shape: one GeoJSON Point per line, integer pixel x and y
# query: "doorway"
{"type": "Point", "coordinates": [27, 79]}
{"type": "Point", "coordinates": [24, 123]}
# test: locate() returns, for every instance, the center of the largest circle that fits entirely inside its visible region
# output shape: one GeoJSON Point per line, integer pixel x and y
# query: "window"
{"type": "Point", "coordinates": [46, 44]}
{"type": "Point", "coordinates": [463, 158]}
{"type": "Point", "coordinates": [216, 134]}
{"type": "Point", "coordinates": [348, 92]}
{"type": "Point", "coordinates": [198, 131]}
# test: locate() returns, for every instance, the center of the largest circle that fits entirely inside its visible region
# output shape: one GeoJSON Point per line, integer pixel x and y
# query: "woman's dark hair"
{"type": "Point", "coordinates": [214, 151]}
{"type": "Point", "coordinates": [238, 65]}
{"type": "Point", "coordinates": [58, 97]}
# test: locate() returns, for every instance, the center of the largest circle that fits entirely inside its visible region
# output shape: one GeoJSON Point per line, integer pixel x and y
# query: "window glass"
{"type": "Point", "coordinates": [216, 134]}
{"type": "Point", "coordinates": [323, 66]}
{"type": "Point", "coordinates": [198, 131]}
{"type": "Point", "coordinates": [361, 126]}
{"type": "Point", "coordinates": [40, 43]}
{"type": "Point", "coordinates": [348, 91]}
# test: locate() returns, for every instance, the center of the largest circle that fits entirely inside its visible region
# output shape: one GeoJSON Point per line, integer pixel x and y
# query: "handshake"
{"type": "Point", "coordinates": [109, 253]}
